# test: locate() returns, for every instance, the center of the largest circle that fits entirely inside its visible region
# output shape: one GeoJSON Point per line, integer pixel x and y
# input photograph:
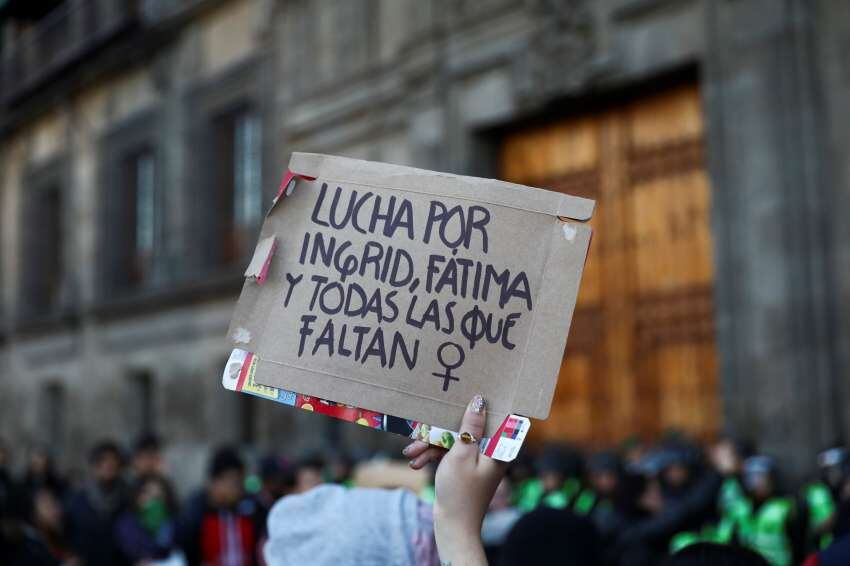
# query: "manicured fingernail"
{"type": "Point", "coordinates": [412, 462]}
{"type": "Point", "coordinates": [478, 404]}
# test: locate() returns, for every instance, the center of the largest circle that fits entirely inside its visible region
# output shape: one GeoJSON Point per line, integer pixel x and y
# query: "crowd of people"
{"type": "Point", "coordinates": [127, 512]}
{"type": "Point", "coordinates": [634, 506]}
{"type": "Point", "coordinates": [648, 502]}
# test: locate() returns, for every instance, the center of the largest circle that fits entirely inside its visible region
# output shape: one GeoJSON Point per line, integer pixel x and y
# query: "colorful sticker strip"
{"type": "Point", "coordinates": [239, 376]}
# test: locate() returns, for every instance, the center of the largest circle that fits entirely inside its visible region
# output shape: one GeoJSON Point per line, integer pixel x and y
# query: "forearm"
{"type": "Point", "coordinates": [459, 545]}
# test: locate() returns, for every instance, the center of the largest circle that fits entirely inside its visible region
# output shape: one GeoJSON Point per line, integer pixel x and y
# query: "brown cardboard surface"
{"type": "Point", "coordinates": [535, 252]}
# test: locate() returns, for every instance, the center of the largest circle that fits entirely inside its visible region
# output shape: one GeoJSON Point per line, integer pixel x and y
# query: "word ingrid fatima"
{"type": "Point", "coordinates": [461, 277]}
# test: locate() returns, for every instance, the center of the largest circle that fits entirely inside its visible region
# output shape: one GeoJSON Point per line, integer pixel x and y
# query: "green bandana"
{"type": "Point", "coordinates": [153, 514]}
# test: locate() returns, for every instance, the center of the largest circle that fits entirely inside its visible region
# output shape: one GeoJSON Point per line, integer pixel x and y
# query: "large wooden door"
{"type": "Point", "coordinates": [641, 354]}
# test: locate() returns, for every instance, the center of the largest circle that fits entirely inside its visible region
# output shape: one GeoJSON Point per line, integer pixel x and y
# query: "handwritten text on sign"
{"type": "Point", "coordinates": [347, 308]}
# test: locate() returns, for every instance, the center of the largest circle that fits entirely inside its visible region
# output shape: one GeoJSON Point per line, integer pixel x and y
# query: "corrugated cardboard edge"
{"type": "Point", "coordinates": [506, 194]}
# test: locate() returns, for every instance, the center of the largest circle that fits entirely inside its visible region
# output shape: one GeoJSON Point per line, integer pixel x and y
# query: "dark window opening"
{"type": "Point", "coordinates": [238, 183]}
{"type": "Point", "coordinates": [53, 419]}
{"type": "Point", "coordinates": [42, 254]}
{"type": "Point", "coordinates": [142, 402]}
{"type": "Point", "coordinates": [136, 220]}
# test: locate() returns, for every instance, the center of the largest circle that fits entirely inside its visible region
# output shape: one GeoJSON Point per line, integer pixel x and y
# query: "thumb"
{"type": "Point", "coordinates": [473, 421]}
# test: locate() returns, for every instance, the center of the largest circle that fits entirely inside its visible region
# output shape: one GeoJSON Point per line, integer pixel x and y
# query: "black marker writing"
{"type": "Point", "coordinates": [293, 281]}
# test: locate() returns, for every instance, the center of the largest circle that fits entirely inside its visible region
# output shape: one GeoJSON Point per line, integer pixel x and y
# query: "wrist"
{"type": "Point", "coordinates": [456, 524]}
{"type": "Point", "coordinates": [459, 548]}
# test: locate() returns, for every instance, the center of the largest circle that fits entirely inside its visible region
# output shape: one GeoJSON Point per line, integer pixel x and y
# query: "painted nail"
{"type": "Point", "coordinates": [412, 462]}
{"type": "Point", "coordinates": [478, 404]}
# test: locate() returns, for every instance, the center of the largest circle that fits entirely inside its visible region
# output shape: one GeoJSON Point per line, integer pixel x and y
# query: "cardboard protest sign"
{"type": "Point", "coordinates": [406, 292]}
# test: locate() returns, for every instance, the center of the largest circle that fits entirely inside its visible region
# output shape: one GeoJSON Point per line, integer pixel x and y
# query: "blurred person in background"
{"type": "Point", "coordinates": [40, 473]}
{"type": "Point", "coordinates": [551, 536]}
{"type": "Point", "coordinates": [836, 554]}
{"type": "Point", "coordinates": [21, 544]}
{"type": "Point", "coordinates": [521, 474]}
{"type": "Point", "coordinates": [309, 473]}
{"type": "Point", "coordinates": [93, 510]}
{"type": "Point", "coordinates": [47, 517]}
{"type": "Point", "coordinates": [278, 480]}
{"type": "Point", "coordinates": [632, 546]}
{"type": "Point", "coordinates": [220, 524]}
{"type": "Point", "coordinates": [842, 518]}
{"type": "Point", "coordinates": [725, 459]}
{"type": "Point", "coordinates": [278, 477]}
{"type": "Point", "coordinates": [681, 468]}
{"type": "Point", "coordinates": [557, 481]}
{"type": "Point", "coordinates": [713, 554]}
{"type": "Point", "coordinates": [500, 518]}
{"type": "Point", "coordinates": [339, 469]}
{"type": "Point", "coordinates": [629, 507]}
{"type": "Point", "coordinates": [632, 449]}
{"type": "Point", "coordinates": [600, 499]}
{"type": "Point", "coordinates": [335, 525]}
{"type": "Point", "coordinates": [822, 495]}
{"type": "Point", "coordinates": [679, 496]}
{"type": "Point", "coordinates": [766, 521]}
{"type": "Point", "coordinates": [145, 531]}
{"type": "Point", "coordinates": [147, 457]}
{"type": "Point", "coordinates": [726, 456]}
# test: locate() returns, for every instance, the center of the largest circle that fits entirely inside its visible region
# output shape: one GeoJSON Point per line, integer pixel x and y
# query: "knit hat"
{"type": "Point", "coordinates": [338, 526]}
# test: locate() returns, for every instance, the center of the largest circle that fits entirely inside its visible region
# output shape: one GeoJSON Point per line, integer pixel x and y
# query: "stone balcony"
{"type": "Point", "coordinates": [50, 46]}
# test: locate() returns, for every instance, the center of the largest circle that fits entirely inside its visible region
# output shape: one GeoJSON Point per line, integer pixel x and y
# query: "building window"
{"type": "Point", "coordinates": [142, 171]}
{"type": "Point", "coordinates": [238, 155]}
{"type": "Point", "coordinates": [134, 220]}
{"type": "Point", "coordinates": [247, 186]}
{"type": "Point", "coordinates": [132, 211]}
{"type": "Point", "coordinates": [142, 402]}
{"type": "Point", "coordinates": [53, 419]}
{"type": "Point", "coordinates": [41, 256]}
{"type": "Point", "coordinates": [145, 216]}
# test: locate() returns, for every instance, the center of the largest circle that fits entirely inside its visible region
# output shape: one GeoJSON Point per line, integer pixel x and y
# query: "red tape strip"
{"type": "Point", "coordinates": [494, 440]}
{"type": "Point", "coordinates": [281, 191]}
{"type": "Point", "coordinates": [243, 372]}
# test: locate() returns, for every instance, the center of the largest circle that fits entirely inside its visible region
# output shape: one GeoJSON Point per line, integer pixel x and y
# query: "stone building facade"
{"type": "Point", "coordinates": [141, 139]}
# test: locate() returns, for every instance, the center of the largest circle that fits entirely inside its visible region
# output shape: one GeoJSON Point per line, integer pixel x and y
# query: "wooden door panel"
{"type": "Point", "coordinates": [671, 237]}
{"type": "Point", "coordinates": [551, 151]}
{"type": "Point", "coordinates": [574, 417]}
{"type": "Point", "coordinates": [666, 118]}
{"type": "Point", "coordinates": [641, 355]}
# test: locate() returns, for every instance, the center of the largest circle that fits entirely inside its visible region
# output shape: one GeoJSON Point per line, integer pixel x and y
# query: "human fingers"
{"type": "Point", "coordinates": [492, 469]}
{"type": "Point", "coordinates": [432, 454]}
{"type": "Point", "coordinates": [472, 425]}
{"type": "Point", "coordinates": [414, 449]}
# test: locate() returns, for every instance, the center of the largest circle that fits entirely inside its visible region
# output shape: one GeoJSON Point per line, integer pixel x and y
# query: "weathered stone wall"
{"type": "Point", "coordinates": [425, 83]}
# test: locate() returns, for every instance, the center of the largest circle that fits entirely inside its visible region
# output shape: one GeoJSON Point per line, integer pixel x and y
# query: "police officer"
{"type": "Point", "coordinates": [765, 521]}
{"type": "Point", "coordinates": [821, 496]}
{"type": "Point", "coordinates": [557, 483]}
{"type": "Point", "coordinates": [726, 457]}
